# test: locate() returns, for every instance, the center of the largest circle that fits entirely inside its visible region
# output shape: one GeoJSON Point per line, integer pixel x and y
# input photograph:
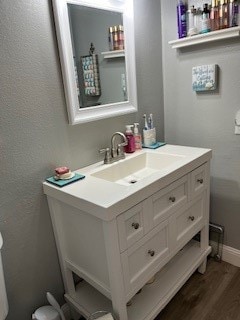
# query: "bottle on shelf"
{"type": "Point", "coordinates": [205, 19]}
{"type": "Point", "coordinates": [191, 22]}
{"type": "Point", "coordinates": [198, 20]}
{"type": "Point", "coordinates": [214, 16]}
{"type": "Point", "coordinates": [233, 13]}
{"type": "Point", "coordinates": [181, 19]}
{"type": "Point", "coordinates": [120, 37]}
{"type": "Point", "coordinates": [115, 38]}
{"type": "Point", "coordinates": [225, 14]}
{"type": "Point", "coordinates": [236, 6]}
{"type": "Point", "coordinates": [110, 38]}
{"type": "Point", "coordinates": [221, 14]}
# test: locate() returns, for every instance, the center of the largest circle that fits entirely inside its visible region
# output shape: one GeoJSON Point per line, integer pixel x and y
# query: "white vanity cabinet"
{"type": "Point", "coordinates": [115, 254]}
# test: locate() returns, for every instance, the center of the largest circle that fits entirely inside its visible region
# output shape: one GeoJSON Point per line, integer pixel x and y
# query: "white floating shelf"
{"type": "Point", "coordinates": [206, 37]}
{"type": "Point", "coordinates": [113, 54]}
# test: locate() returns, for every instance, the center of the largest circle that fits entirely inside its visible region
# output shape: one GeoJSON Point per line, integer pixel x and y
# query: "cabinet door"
{"type": "Point", "coordinates": [187, 222]}
{"type": "Point", "coordinates": [130, 226]}
{"type": "Point", "coordinates": [199, 180]}
{"type": "Point", "coordinates": [147, 255]}
{"type": "Point", "coordinates": [169, 199]}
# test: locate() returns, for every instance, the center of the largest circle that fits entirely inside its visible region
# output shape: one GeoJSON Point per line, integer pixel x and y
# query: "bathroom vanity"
{"type": "Point", "coordinates": [129, 221]}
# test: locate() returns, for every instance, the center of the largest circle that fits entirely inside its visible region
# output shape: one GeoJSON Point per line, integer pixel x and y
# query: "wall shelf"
{"type": "Point", "coordinates": [206, 37]}
{"type": "Point", "coordinates": [113, 54]}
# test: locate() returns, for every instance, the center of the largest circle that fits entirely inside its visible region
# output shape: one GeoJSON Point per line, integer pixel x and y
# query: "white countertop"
{"type": "Point", "coordinates": [107, 199]}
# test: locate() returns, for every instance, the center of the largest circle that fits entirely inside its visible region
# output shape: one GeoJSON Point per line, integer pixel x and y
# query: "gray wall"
{"type": "Point", "coordinates": [206, 119]}
{"type": "Point", "coordinates": [35, 138]}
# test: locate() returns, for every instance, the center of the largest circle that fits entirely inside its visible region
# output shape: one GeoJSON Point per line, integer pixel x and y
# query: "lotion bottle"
{"type": "Point", "coordinates": [205, 19]}
{"type": "Point", "coordinates": [181, 19]}
{"type": "Point", "coordinates": [130, 147]}
{"type": "Point", "coordinates": [137, 137]}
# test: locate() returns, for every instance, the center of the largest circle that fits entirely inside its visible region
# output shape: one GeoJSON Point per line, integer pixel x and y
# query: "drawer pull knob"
{"type": "Point", "coordinates": [191, 218]}
{"type": "Point", "coordinates": [135, 225]}
{"type": "Point", "coordinates": [151, 253]}
{"type": "Point", "coordinates": [173, 199]}
{"type": "Point", "coordinates": [200, 181]}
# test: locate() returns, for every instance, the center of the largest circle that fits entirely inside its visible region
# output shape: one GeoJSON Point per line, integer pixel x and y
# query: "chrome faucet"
{"type": "Point", "coordinates": [116, 153]}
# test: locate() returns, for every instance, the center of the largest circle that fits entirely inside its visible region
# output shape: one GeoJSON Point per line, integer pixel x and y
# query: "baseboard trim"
{"type": "Point", "coordinates": [231, 255]}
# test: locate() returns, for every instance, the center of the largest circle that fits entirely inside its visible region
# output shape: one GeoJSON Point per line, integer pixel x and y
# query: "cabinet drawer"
{"type": "Point", "coordinates": [169, 199]}
{"type": "Point", "coordinates": [130, 226]}
{"type": "Point", "coordinates": [189, 221]}
{"type": "Point", "coordinates": [145, 256]}
{"type": "Point", "coordinates": [198, 180]}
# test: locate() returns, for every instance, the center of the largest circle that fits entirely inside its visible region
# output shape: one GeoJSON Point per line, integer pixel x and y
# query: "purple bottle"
{"type": "Point", "coordinates": [181, 17]}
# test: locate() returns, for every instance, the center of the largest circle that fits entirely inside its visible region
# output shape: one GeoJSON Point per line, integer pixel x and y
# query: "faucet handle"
{"type": "Point", "coordinates": [107, 158]}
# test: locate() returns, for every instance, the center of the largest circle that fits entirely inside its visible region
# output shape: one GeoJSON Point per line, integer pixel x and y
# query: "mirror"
{"type": "Point", "coordinates": [98, 69]}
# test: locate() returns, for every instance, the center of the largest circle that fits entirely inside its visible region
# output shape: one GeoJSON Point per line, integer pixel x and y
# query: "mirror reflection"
{"type": "Point", "coordinates": [99, 58]}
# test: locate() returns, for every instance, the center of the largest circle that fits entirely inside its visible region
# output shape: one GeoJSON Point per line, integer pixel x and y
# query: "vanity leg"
{"type": "Point", "coordinates": [55, 212]}
{"type": "Point", "coordinates": [204, 246]}
{"type": "Point", "coordinates": [115, 270]}
{"type": "Point", "coordinates": [202, 267]}
{"type": "Point", "coordinates": [204, 237]}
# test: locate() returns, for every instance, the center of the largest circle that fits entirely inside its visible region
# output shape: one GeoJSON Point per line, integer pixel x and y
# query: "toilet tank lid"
{"type": "Point", "coordinates": [1, 241]}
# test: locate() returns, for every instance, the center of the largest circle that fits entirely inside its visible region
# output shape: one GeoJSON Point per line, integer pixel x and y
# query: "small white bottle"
{"type": "Point", "coordinates": [137, 137]}
{"type": "Point", "coordinates": [191, 19]}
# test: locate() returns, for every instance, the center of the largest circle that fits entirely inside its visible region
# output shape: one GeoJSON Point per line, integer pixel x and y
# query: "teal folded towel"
{"type": "Point", "coordinates": [61, 183]}
{"type": "Point", "coordinates": [155, 145]}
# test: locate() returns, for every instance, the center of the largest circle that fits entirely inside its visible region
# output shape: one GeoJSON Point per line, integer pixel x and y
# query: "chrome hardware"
{"type": "Point", "coordinates": [191, 218]}
{"type": "Point", "coordinates": [107, 158]}
{"type": "Point", "coordinates": [151, 253]}
{"type": "Point", "coordinates": [200, 181]}
{"type": "Point", "coordinates": [173, 199]}
{"type": "Point", "coordinates": [118, 153]}
{"type": "Point", "coordinates": [135, 225]}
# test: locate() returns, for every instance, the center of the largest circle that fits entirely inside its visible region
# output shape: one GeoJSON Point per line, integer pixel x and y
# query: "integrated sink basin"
{"type": "Point", "coordinates": [130, 171]}
{"type": "Point", "coordinates": [109, 189]}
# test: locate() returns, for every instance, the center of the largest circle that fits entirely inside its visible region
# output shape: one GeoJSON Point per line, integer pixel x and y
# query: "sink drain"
{"type": "Point", "coordinates": [133, 181]}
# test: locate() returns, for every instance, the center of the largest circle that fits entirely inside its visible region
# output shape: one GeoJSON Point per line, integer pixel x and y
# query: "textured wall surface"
{"type": "Point", "coordinates": [35, 138]}
{"type": "Point", "coordinates": [206, 119]}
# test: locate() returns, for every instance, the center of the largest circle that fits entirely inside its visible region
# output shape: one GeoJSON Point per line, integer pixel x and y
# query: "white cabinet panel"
{"type": "Point", "coordinates": [139, 260]}
{"type": "Point", "coordinates": [169, 199]}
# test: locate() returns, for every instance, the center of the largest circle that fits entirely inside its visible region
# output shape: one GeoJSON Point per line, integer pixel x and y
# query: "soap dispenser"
{"type": "Point", "coordinates": [137, 137]}
{"type": "Point", "coordinates": [130, 147]}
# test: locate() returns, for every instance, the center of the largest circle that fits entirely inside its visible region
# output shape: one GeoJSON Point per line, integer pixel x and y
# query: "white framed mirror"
{"type": "Point", "coordinates": [85, 24]}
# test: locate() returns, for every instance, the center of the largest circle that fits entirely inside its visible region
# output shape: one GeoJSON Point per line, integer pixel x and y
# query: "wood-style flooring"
{"type": "Point", "coordinates": [212, 296]}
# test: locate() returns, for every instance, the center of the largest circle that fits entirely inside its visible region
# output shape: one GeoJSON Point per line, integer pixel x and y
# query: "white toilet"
{"type": "Point", "coordinates": [3, 294]}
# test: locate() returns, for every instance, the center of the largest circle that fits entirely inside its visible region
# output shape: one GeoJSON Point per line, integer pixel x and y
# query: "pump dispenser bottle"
{"type": "Point", "coordinates": [130, 147]}
{"type": "Point", "coordinates": [137, 137]}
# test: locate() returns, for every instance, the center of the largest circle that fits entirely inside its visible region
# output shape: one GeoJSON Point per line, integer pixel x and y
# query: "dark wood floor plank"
{"type": "Point", "coordinates": [212, 296]}
{"type": "Point", "coordinates": [228, 305]}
